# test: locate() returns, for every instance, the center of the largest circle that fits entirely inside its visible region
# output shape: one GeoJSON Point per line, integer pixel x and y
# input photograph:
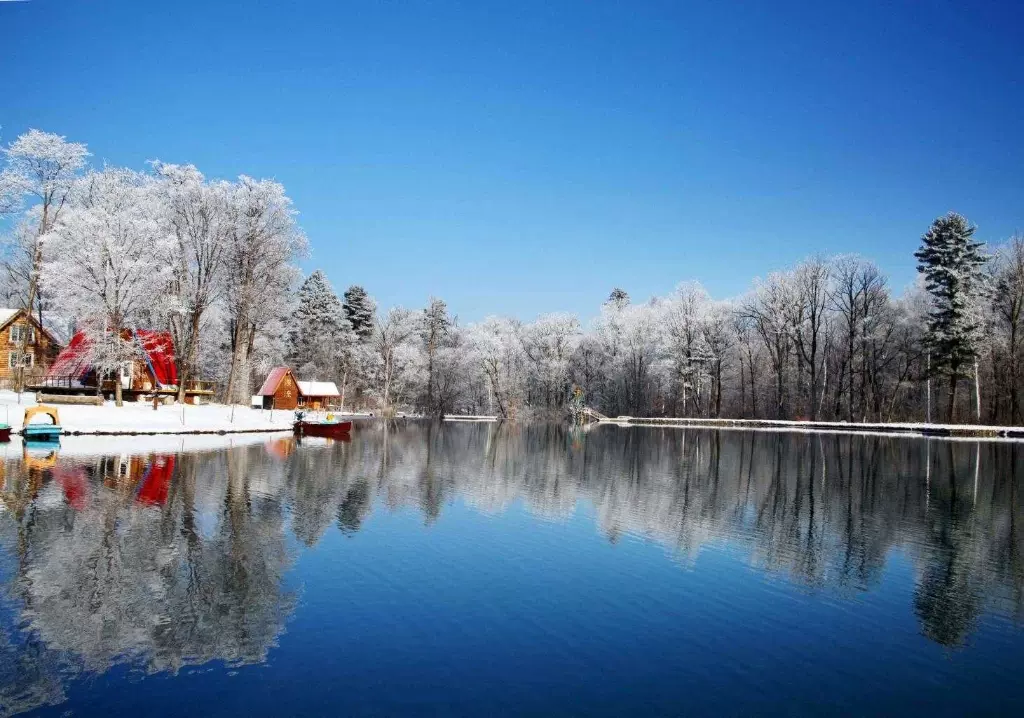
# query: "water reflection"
{"type": "Point", "coordinates": [160, 561]}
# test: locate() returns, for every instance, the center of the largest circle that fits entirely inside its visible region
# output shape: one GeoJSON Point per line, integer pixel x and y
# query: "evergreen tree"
{"type": "Point", "coordinates": [435, 332]}
{"type": "Point", "coordinates": [618, 298]}
{"type": "Point", "coordinates": [319, 327]}
{"type": "Point", "coordinates": [953, 267]}
{"type": "Point", "coordinates": [360, 310]}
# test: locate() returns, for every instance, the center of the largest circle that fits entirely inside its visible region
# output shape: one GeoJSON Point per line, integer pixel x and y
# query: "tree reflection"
{"type": "Point", "coordinates": [110, 561]}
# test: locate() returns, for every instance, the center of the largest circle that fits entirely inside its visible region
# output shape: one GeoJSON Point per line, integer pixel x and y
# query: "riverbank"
{"type": "Point", "coordinates": [141, 418]}
{"type": "Point", "coordinates": [966, 431]}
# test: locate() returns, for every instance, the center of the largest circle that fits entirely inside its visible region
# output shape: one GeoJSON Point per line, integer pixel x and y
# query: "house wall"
{"type": "Point", "coordinates": [287, 394]}
{"type": "Point", "coordinates": [40, 347]}
{"type": "Point", "coordinates": [315, 403]}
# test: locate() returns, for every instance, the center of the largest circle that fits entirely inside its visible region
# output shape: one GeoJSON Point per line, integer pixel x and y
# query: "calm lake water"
{"type": "Point", "coordinates": [474, 569]}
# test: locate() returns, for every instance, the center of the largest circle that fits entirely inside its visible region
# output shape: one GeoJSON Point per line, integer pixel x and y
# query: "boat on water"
{"type": "Point", "coordinates": [329, 427]}
{"type": "Point", "coordinates": [5, 433]}
{"type": "Point", "coordinates": [39, 433]}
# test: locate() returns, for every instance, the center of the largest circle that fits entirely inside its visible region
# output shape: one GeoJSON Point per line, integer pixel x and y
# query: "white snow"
{"type": "Point", "coordinates": [318, 388]}
{"type": "Point", "coordinates": [6, 314]}
{"type": "Point", "coordinates": [139, 417]}
{"type": "Point", "coordinates": [973, 432]}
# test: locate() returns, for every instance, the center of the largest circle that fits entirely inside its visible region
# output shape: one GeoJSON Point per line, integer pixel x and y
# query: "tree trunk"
{"type": "Point", "coordinates": [344, 384]}
{"type": "Point", "coordinates": [951, 409]}
{"type": "Point", "coordinates": [977, 392]}
{"type": "Point", "coordinates": [928, 389]}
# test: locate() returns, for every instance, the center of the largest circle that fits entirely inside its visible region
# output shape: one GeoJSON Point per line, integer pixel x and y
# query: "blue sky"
{"type": "Point", "coordinates": [522, 157]}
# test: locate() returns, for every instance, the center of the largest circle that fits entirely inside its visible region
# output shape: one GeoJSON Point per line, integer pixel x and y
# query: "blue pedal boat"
{"type": "Point", "coordinates": [41, 433]}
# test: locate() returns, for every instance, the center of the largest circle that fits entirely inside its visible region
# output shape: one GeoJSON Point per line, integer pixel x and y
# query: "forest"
{"type": "Point", "coordinates": [216, 263]}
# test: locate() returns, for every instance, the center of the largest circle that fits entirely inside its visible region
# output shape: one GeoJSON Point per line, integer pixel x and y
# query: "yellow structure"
{"type": "Point", "coordinates": [50, 411]}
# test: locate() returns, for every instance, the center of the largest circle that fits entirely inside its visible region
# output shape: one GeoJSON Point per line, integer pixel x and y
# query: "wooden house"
{"type": "Point", "coordinates": [40, 349]}
{"type": "Point", "coordinates": [280, 390]}
{"type": "Point", "coordinates": [152, 373]}
{"type": "Point", "coordinates": [317, 395]}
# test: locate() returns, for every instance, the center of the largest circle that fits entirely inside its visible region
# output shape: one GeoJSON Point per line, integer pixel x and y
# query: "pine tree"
{"type": "Point", "coordinates": [618, 298]}
{"type": "Point", "coordinates": [435, 332]}
{"type": "Point", "coordinates": [360, 310]}
{"type": "Point", "coordinates": [953, 267]}
{"type": "Point", "coordinates": [319, 326]}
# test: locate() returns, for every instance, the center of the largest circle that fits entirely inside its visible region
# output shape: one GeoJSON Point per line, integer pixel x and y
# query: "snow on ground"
{"type": "Point", "coordinates": [918, 429]}
{"type": "Point", "coordinates": [139, 417]}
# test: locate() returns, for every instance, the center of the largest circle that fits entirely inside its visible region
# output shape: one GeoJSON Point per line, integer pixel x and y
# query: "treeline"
{"type": "Point", "coordinates": [826, 340]}
{"type": "Point", "coordinates": [214, 262]}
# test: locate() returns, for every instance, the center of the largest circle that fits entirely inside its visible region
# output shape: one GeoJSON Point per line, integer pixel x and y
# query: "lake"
{"type": "Point", "coordinates": [485, 569]}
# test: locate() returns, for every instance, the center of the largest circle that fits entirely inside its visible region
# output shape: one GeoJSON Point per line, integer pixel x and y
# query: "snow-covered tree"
{"type": "Point", "coordinates": [632, 337]}
{"type": "Point", "coordinates": [264, 243]}
{"type": "Point", "coordinates": [99, 263]}
{"type": "Point", "coordinates": [41, 168]}
{"type": "Point", "coordinates": [549, 343]}
{"type": "Point", "coordinates": [319, 329]}
{"type": "Point", "coordinates": [1008, 317]}
{"type": "Point", "coordinates": [686, 314]}
{"type": "Point", "coordinates": [498, 351]}
{"type": "Point", "coordinates": [361, 311]}
{"type": "Point", "coordinates": [390, 342]}
{"type": "Point", "coordinates": [199, 216]}
{"type": "Point", "coordinates": [953, 263]}
{"type": "Point", "coordinates": [436, 333]}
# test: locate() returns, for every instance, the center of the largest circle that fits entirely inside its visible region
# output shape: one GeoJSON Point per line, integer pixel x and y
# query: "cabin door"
{"type": "Point", "coordinates": [126, 375]}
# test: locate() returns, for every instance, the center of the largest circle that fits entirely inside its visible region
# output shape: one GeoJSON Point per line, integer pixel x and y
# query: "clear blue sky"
{"type": "Point", "coordinates": [521, 157]}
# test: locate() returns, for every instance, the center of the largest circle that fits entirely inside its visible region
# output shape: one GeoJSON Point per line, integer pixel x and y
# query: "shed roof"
{"type": "Point", "coordinates": [318, 388]}
{"type": "Point", "coordinates": [274, 378]}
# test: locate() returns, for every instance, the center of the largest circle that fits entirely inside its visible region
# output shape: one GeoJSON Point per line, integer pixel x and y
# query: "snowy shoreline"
{"type": "Point", "coordinates": [946, 431]}
{"type": "Point", "coordinates": [141, 419]}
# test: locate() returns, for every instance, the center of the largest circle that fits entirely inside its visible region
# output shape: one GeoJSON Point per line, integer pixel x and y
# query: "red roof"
{"type": "Point", "coordinates": [274, 378]}
{"type": "Point", "coordinates": [158, 348]}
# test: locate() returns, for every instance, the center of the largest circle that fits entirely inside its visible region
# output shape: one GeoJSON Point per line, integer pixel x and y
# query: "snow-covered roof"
{"type": "Point", "coordinates": [318, 388]}
{"type": "Point", "coordinates": [7, 314]}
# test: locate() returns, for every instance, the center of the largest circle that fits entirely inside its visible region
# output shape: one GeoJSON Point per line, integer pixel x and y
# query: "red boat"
{"type": "Point", "coordinates": [5, 433]}
{"type": "Point", "coordinates": [325, 429]}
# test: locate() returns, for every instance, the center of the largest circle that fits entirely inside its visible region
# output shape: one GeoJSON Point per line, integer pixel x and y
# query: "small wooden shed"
{"type": "Point", "coordinates": [280, 390]}
{"type": "Point", "coordinates": [318, 395]}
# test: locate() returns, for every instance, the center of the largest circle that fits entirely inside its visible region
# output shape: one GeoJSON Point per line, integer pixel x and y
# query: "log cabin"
{"type": "Point", "coordinates": [40, 350]}
{"type": "Point", "coordinates": [280, 390]}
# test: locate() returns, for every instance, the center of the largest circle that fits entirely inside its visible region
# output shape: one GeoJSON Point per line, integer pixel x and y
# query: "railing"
{"type": "Point", "coordinates": [75, 381]}
{"type": "Point", "coordinates": [72, 381]}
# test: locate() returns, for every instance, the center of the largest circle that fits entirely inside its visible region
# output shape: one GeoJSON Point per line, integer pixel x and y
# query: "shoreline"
{"type": "Point", "coordinates": [943, 431]}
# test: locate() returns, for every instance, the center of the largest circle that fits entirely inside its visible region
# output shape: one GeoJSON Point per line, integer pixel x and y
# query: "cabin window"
{"type": "Point", "coordinates": [17, 333]}
{"type": "Point", "coordinates": [28, 359]}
